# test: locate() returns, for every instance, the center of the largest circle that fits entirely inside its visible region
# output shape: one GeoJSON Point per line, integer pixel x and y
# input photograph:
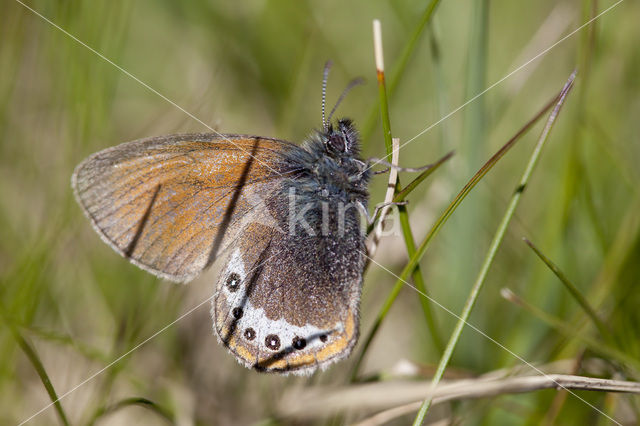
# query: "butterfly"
{"type": "Point", "coordinates": [285, 217]}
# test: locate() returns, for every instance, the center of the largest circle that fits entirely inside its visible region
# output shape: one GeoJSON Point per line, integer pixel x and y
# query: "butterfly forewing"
{"type": "Point", "coordinates": [171, 204]}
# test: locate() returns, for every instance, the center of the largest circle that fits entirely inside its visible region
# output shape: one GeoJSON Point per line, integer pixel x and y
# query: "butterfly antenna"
{"type": "Point", "coordinates": [325, 77]}
{"type": "Point", "coordinates": [355, 82]}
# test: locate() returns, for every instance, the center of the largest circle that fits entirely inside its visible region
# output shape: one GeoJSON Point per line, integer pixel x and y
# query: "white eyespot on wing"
{"type": "Point", "coordinates": [256, 318]}
{"type": "Point", "coordinates": [233, 279]}
{"type": "Point", "coordinates": [277, 345]}
{"type": "Point", "coordinates": [230, 290]}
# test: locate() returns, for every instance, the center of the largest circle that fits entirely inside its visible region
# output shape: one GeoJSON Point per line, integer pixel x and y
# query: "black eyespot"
{"type": "Point", "coordinates": [237, 313]}
{"type": "Point", "coordinates": [233, 282]}
{"type": "Point", "coordinates": [323, 338]}
{"type": "Point", "coordinates": [249, 334]}
{"type": "Point", "coordinates": [272, 341]}
{"type": "Point", "coordinates": [299, 343]}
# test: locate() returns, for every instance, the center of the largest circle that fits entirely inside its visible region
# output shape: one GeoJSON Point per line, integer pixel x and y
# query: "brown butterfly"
{"type": "Point", "coordinates": [286, 216]}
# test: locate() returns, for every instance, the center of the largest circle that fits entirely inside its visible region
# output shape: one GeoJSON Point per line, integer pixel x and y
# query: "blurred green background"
{"type": "Point", "coordinates": [255, 67]}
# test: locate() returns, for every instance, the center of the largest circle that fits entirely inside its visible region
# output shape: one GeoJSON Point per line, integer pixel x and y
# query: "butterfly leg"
{"type": "Point", "coordinates": [373, 161]}
{"type": "Point", "coordinates": [371, 219]}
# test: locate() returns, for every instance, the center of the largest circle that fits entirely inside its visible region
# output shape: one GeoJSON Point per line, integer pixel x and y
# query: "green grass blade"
{"type": "Point", "coordinates": [33, 357]}
{"type": "Point", "coordinates": [142, 402]}
{"type": "Point", "coordinates": [402, 211]}
{"type": "Point", "coordinates": [493, 248]}
{"type": "Point", "coordinates": [440, 83]}
{"type": "Point", "coordinates": [418, 281]}
{"type": "Point", "coordinates": [85, 350]}
{"type": "Point", "coordinates": [401, 195]}
{"type": "Point", "coordinates": [382, 89]}
{"type": "Point", "coordinates": [569, 331]}
{"type": "Point", "coordinates": [399, 68]}
{"type": "Point", "coordinates": [602, 328]}
{"type": "Point", "coordinates": [415, 258]}
{"type": "Point", "coordinates": [474, 137]}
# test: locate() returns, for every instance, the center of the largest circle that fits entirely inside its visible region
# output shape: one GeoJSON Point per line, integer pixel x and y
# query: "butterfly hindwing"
{"type": "Point", "coordinates": [171, 204]}
{"type": "Point", "coordinates": [289, 303]}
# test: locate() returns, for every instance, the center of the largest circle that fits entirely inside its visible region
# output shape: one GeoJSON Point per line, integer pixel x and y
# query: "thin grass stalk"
{"type": "Point", "coordinates": [420, 251]}
{"type": "Point", "coordinates": [569, 330]}
{"type": "Point", "coordinates": [35, 361]}
{"type": "Point", "coordinates": [440, 85]}
{"type": "Point", "coordinates": [474, 139]}
{"type": "Point", "coordinates": [378, 226]}
{"type": "Point", "coordinates": [402, 211]}
{"type": "Point", "coordinates": [401, 65]}
{"type": "Point", "coordinates": [573, 290]}
{"type": "Point", "coordinates": [135, 401]}
{"type": "Point", "coordinates": [401, 195]}
{"type": "Point", "coordinates": [493, 248]}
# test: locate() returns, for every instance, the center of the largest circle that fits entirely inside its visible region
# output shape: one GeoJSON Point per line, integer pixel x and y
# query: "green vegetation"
{"type": "Point", "coordinates": [70, 306]}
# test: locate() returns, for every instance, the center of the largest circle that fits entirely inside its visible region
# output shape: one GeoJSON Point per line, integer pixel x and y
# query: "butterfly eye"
{"type": "Point", "coordinates": [337, 142]}
{"type": "Point", "coordinates": [348, 134]}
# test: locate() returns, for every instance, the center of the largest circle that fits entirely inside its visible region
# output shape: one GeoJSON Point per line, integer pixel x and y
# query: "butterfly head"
{"type": "Point", "coordinates": [341, 140]}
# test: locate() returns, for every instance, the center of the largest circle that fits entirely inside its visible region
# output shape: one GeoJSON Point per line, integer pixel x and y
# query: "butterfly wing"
{"type": "Point", "coordinates": [289, 303]}
{"type": "Point", "coordinates": [170, 204]}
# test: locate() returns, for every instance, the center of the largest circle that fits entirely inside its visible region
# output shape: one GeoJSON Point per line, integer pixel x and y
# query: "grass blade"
{"type": "Point", "coordinates": [402, 195]}
{"type": "Point", "coordinates": [142, 402]}
{"type": "Point", "coordinates": [418, 253]}
{"type": "Point", "coordinates": [38, 366]}
{"type": "Point", "coordinates": [495, 244]}
{"type": "Point", "coordinates": [474, 138]}
{"type": "Point", "coordinates": [602, 328]}
{"type": "Point", "coordinates": [569, 331]}
{"type": "Point", "coordinates": [398, 70]}
{"type": "Point", "coordinates": [402, 211]}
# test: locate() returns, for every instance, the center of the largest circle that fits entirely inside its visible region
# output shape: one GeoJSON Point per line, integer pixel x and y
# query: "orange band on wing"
{"type": "Point", "coordinates": [341, 344]}
{"type": "Point", "coordinates": [338, 348]}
